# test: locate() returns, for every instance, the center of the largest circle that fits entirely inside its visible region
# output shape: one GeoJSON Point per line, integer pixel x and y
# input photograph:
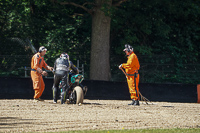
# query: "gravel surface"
{"type": "Point", "coordinates": [23, 115]}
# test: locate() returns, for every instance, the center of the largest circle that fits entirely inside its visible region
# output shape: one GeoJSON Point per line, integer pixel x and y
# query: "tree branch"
{"type": "Point", "coordinates": [77, 5]}
{"type": "Point", "coordinates": [88, 3]}
{"type": "Point", "coordinates": [119, 3]}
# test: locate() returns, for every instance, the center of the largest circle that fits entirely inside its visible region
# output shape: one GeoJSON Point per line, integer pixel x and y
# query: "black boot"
{"type": "Point", "coordinates": [132, 103]}
{"type": "Point", "coordinates": [63, 97]}
{"type": "Point", "coordinates": [85, 89]}
{"type": "Point", "coordinates": [136, 103]}
{"type": "Point", "coordinates": [54, 97]}
{"type": "Point", "coordinates": [54, 101]}
{"type": "Point", "coordinates": [54, 94]}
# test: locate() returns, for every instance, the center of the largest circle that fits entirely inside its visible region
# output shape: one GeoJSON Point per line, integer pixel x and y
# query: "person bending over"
{"type": "Point", "coordinates": [62, 66]}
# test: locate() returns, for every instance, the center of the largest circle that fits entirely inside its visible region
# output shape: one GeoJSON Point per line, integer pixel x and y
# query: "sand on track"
{"type": "Point", "coordinates": [24, 115]}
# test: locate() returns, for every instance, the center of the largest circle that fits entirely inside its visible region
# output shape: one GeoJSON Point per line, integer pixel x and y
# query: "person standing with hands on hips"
{"type": "Point", "coordinates": [132, 66]}
{"type": "Point", "coordinates": [37, 62]}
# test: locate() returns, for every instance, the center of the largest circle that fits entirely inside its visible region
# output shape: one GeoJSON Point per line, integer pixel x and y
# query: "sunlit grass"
{"type": "Point", "coordinates": [175, 130]}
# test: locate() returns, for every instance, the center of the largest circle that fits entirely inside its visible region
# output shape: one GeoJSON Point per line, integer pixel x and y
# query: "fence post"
{"type": "Point", "coordinates": [77, 64]}
{"type": "Point", "coordinates": [83, 70]}
{"type": "Point", "coordinates": [198, 93]}
{"type": "Point", "coordinates": [25, 72]}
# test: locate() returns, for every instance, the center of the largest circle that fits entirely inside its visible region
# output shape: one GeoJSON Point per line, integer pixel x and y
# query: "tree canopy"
{"type": "Point", "coordinates": [165, 35]}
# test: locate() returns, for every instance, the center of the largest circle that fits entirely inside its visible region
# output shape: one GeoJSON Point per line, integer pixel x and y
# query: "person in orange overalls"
{"type": "Point", "coordinates": [37, 63]}
{"type": "Point", "coordinates": [132, 66]}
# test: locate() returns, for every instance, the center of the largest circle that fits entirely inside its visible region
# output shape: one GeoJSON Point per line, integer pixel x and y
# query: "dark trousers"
{"type": "Point", "coordinates": [63, 77]}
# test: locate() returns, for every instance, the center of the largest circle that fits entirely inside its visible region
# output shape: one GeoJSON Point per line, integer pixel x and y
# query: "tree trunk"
{"type": "Point", "coordinates": [100, 47]}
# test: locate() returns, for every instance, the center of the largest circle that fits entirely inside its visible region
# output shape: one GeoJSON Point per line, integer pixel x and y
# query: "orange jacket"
{"type": "Point", "coordinates": [38, 62]}
{"type": "Point", "coordinates": [132, 64]}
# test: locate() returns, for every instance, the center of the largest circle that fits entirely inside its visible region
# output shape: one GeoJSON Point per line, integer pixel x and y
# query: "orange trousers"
{"type": "Point", "coordinates": [134, 91]}
{"type": "Point", "coordinates": [38, 84]}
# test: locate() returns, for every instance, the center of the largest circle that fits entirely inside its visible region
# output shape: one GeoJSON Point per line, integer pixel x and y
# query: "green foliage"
{"type": "Point", "coordinates": [155, 28]}
{"type": "Point", "coordinates": [165, 35]}
{"type": "Point", "coordinates": [44, 23]}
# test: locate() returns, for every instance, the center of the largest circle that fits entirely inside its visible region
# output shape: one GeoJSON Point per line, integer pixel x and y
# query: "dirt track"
{"type": "Point", "coordinates": [27, 116]}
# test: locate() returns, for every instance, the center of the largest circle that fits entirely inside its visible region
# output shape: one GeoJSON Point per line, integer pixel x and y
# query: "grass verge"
{"type": "Point", "coordinates": [175, 130]}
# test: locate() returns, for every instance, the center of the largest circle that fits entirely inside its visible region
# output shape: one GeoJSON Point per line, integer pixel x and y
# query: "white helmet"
{"type": "Point", "coordinates": [64, 55]}
{"type": "Point", "coordinates": [128, 48]}
{"type": "Point", "coordinates": [42, 48]}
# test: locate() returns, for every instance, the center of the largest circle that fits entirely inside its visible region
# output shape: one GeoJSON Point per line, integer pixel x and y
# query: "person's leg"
{"type": "Point", "coordinates": [131, 86]}
{"type": "Point", "coordinates": [134, 93]}
{"type": "Point", "coordinates": [42, 86]}
{"type": "Point", "coordinates": [137, 88]}
{"type": "Point", "coordinates": [55, 87]}
{"type": "Point", "coordinates": [65, 88]}
{"type": "Point", "coordinates": [36, 83]}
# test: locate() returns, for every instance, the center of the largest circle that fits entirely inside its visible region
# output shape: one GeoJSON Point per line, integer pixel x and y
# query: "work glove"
{"type": "Point", "coordinates": [39, 70]}
{"type": "Point", "coordinates": [53, 71]}
{"type": "Point", "coordinates": [120, 66]}
{"type": "Point", "coordinates": [44, 73]}
{"type": "Point", "coordinates": [77, 71]}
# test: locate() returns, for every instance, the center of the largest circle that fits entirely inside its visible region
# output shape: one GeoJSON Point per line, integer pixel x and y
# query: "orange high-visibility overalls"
{"type": "Point", "coordinates": [38, 83]}
{"type": "Point", "coordinates": [132, 66]}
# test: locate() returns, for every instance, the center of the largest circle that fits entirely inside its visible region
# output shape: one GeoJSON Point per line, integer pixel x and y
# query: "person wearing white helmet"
{"type": "Point", "coordinates": [37, 63]}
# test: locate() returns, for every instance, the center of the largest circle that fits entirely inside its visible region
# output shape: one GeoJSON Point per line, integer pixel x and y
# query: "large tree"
{"type": "Point", "coordinates": [100, 37]}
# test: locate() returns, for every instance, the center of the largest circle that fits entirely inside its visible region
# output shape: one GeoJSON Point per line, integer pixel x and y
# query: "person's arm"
{"type": "Point", "coordinates": [75, 69]}
{"type": "Point", "coordinates": [46, 66]}
{"type": "Point", "coordinates": [55, 65]}
{"type": "Point", "coordinates": [129, 63]}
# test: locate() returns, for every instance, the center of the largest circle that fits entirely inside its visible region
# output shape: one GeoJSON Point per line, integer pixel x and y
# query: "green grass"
{"type": "Point", "coordinates": [175, 130]}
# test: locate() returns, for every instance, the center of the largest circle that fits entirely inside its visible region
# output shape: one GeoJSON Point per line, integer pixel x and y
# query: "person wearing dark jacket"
{"type": "Point", "coordinates": [62, 67]}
